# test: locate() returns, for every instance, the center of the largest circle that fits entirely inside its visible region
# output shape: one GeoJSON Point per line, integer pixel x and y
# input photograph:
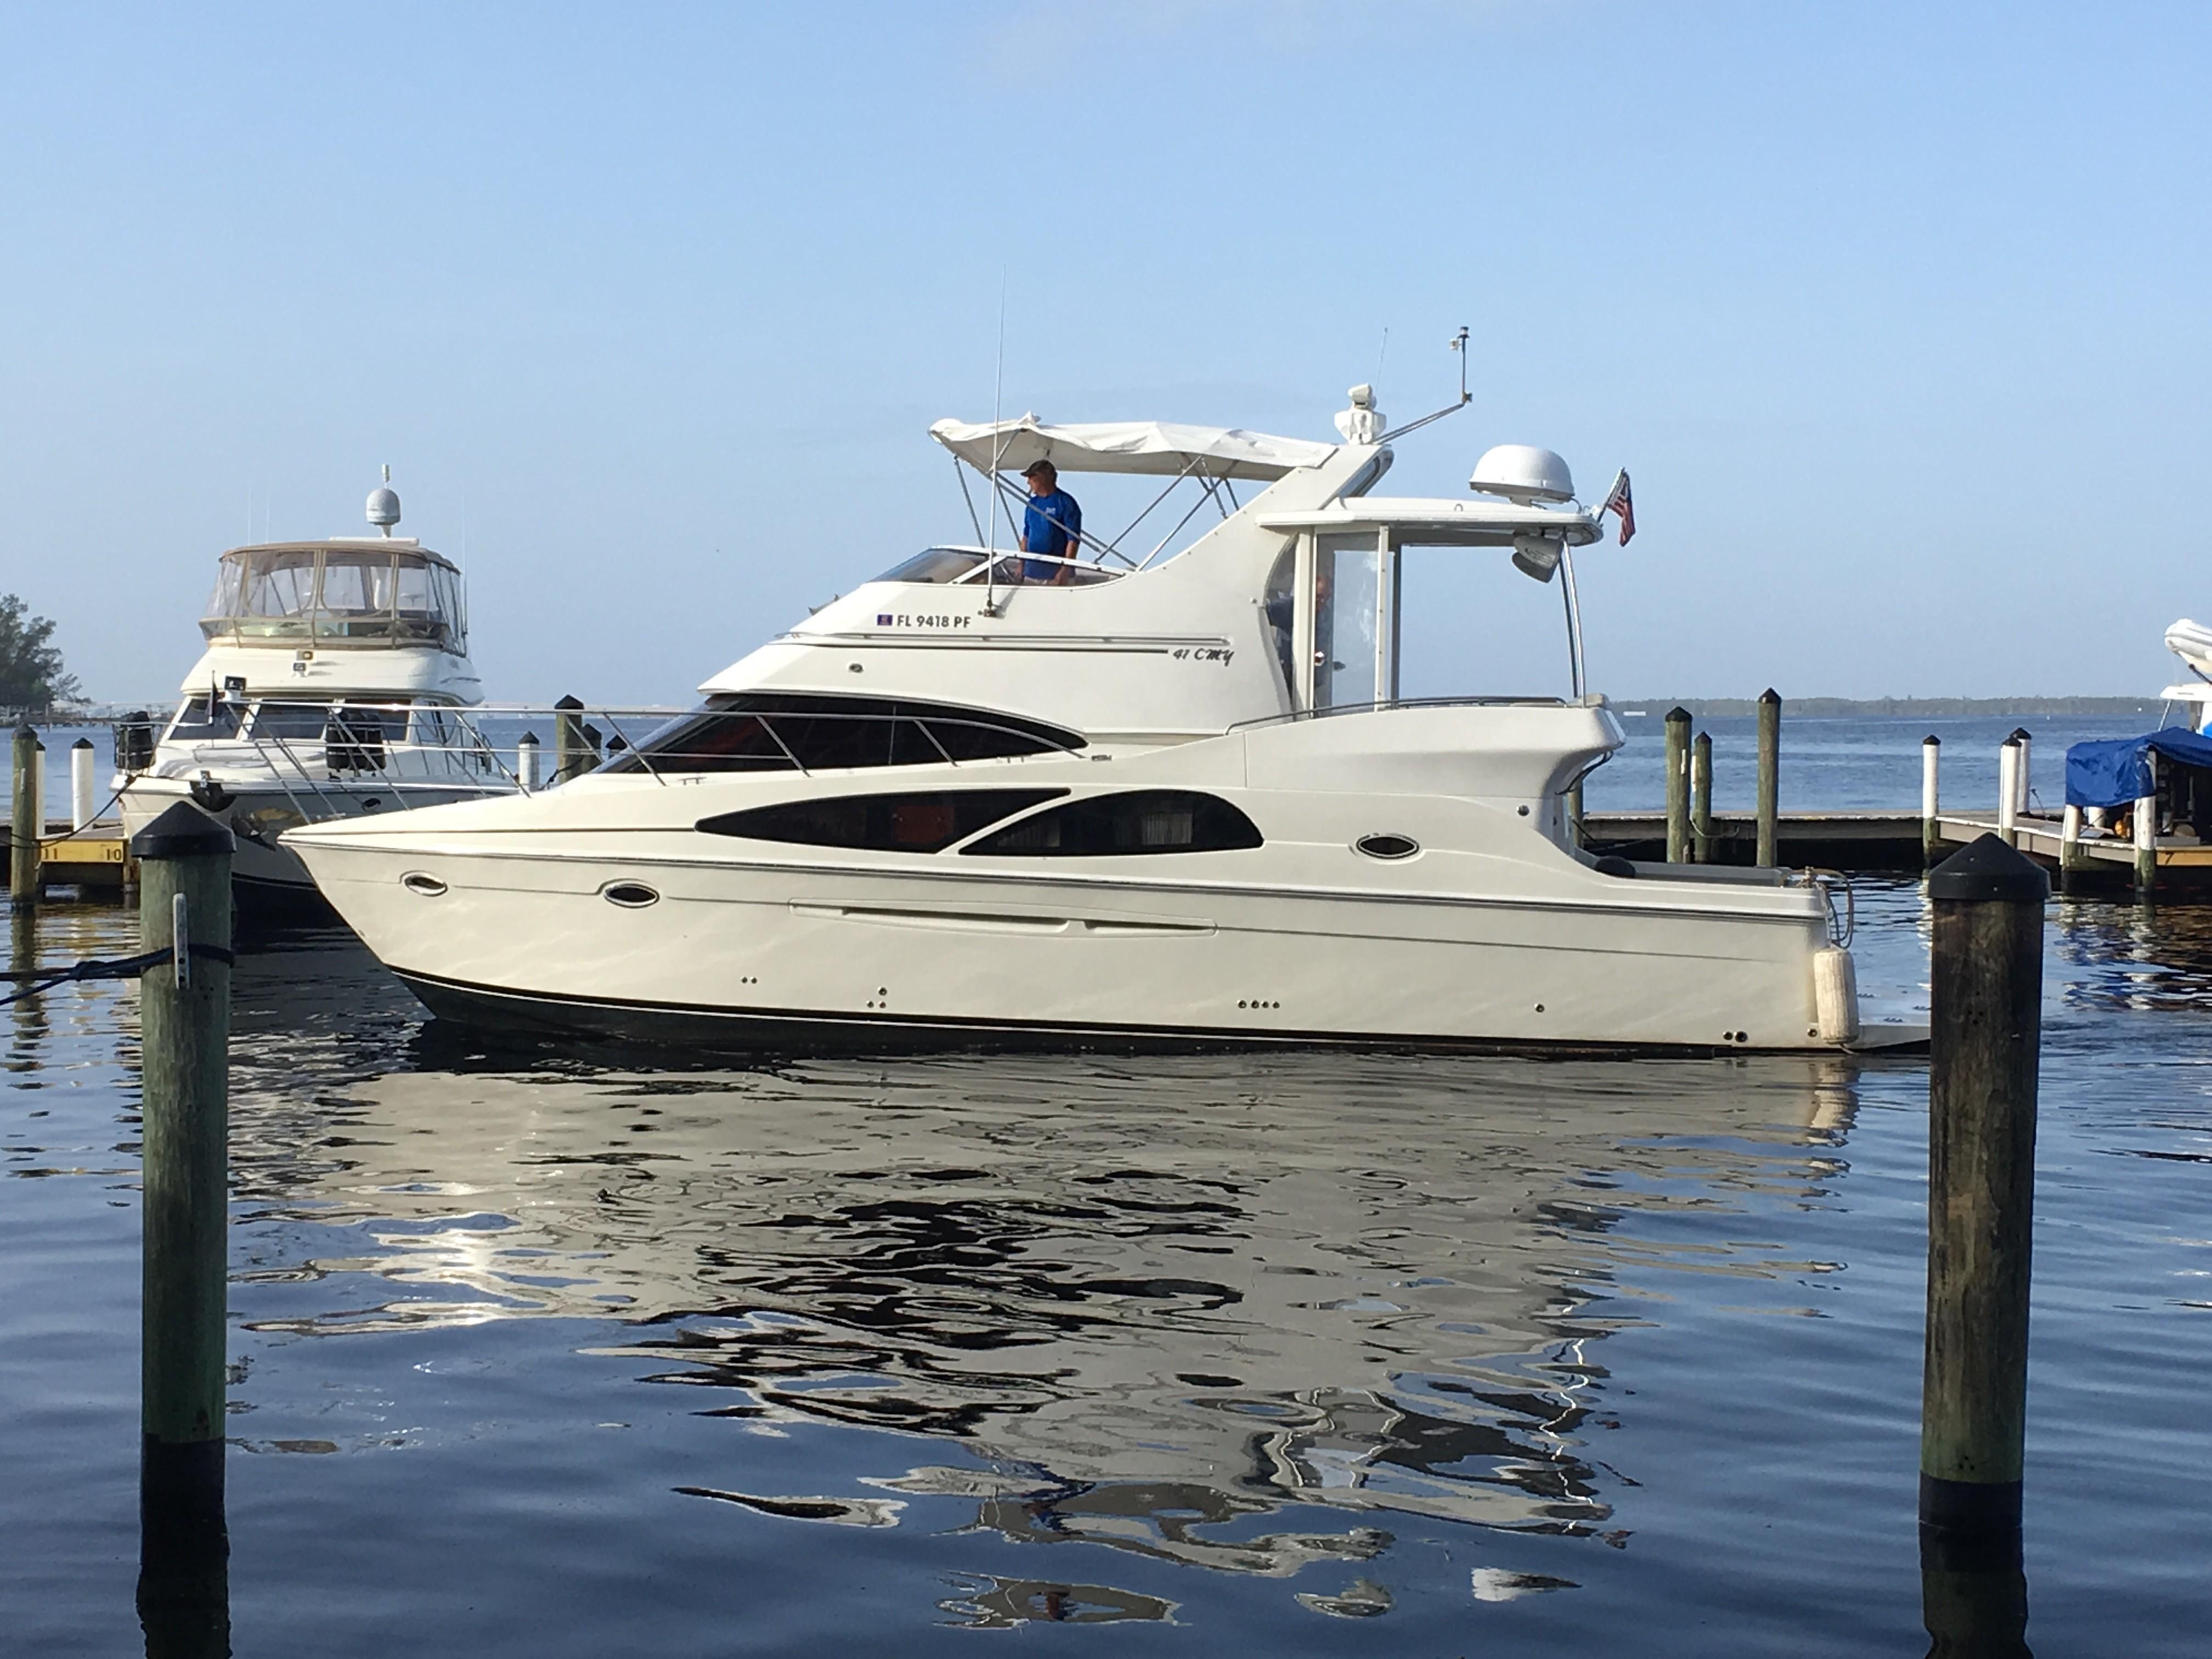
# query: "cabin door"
{"type": "Point", "coordinates": [1348, 601]}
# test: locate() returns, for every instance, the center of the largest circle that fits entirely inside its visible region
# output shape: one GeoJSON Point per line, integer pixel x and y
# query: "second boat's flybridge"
{"type": "Point", "coordinates": [890, 824]}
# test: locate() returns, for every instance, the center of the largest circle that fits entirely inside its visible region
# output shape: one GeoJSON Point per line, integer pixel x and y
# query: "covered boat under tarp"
{"type": "Point", "coordinates": [2118, 771]}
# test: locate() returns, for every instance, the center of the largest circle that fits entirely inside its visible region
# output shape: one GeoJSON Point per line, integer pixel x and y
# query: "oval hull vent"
{"type": "Point", "coordinates": [630, 894]}
{"type": "Point", "coordinates": [428, 886]}
{"type": "Point", "coordinates": [1387, 846]}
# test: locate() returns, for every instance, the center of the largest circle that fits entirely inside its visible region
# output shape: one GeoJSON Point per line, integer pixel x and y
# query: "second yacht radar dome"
{"type": "Point", "coordinates": [384, 504]}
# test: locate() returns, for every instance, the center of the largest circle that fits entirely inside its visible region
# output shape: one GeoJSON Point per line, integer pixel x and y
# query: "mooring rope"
{"type": "Point", "coordinates": [121, 968]}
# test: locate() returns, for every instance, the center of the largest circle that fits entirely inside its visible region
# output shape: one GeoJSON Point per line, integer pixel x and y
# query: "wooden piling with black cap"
{"type": "Point", "coordinates": [29, 822]}
{"type": "Point", "coordinates": [184, 1008]}
{"type": "Point", "coordinates": [570, 752]}
{"type": "Point", "coordinates": [1770, 777]}
{"type": "Point", "coordinates": [1678, 785]}
{"type": "Point", "coordinates": [1986, 999]}
{"type": "Point", "coordinates": [1701, 798]}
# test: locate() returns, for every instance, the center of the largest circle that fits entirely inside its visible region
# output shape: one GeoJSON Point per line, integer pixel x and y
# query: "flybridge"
{"type": "Point", "coordinates": [1284, 599]}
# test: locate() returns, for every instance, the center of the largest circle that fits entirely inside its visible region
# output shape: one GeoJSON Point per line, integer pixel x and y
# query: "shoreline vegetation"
{"type": "Point", "coordinates": [1893, 707]}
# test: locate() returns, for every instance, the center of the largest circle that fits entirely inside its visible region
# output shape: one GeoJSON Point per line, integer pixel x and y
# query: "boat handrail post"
{"type": "Point", "coordinates": [1985, 1007]}
{"type": "Point", "coordinates": [1678, 785]}
{"type": "Point", "coordinates": [1931, 753]}
{"type": "Point", "coordinates": [1770, 778]}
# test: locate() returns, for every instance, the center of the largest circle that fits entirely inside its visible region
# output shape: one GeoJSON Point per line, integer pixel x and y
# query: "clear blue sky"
{"type": "Point", "coordinates": [1897, 314]}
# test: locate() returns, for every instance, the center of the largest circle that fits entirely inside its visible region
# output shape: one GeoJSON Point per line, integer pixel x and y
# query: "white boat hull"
{"type": "Point", "coordinates": [258, 815]}
{"type": "Point", "coordinates": [1495, 936]}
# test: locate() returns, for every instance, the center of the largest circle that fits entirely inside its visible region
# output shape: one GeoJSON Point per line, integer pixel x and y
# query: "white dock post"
{"type": "Point", "coordinates": [526, 762]}
{"type": "Point", "coordinates": [2009, 791]}
{"type": "Point", "coordinates": [1931, 751]}
{"type": "Point", "coordinates": [84, 796]}
{"type": "Point", "coordinates": [2146, 833]}
{"type": "Point", "coordinates": [2021, 776]}
{"type": "Point", "coordinates": [2070, 846]}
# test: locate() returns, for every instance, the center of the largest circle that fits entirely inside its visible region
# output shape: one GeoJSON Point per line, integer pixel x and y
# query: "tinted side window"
{"type": "Point", "coordinates": [916, 822]}
{"type": "Point", "coordinates": [1141, 821]}
{"type": "Point", "coordinates": [766, 730]}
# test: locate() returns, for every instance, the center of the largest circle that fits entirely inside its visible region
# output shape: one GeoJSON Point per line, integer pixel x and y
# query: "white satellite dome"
{"type": "Point", "coordinates": [384, 504]}
{"type": "Point", "coordinates": [1522, 473]}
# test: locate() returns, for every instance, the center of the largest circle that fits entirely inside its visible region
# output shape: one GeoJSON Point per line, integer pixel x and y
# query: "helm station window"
{"type": "Point", "coordinates": [769, 731]}
{"type": "Point", "coordinates": [1141, 821]}
{"type": "Point", "coordinates": [372, 594]}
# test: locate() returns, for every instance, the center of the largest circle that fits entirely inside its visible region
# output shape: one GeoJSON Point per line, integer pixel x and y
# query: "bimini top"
{"type": "Point", "coordinates": [1153, 446]}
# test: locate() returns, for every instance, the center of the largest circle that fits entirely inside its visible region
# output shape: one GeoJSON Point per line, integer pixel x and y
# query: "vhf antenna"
{"type": "Point", "coordinates": [1457, 342]}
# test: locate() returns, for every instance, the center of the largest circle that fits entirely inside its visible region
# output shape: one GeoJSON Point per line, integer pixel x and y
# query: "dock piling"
{"type": "Point", "coordinates": [185, 1025]}
{"type": "Point", "coordinates": [28, 822]}
{"type": "Point", "coordinates": [2008, 791]}
{"type": "Point", "coordinates": [1770, 776]}
{"type": "Point", "coordinates": [1678, 785]}
{"type": "Point", "coordinates": [2023, 776]}
{"type": "Point", "coordinates": [568, 749]}
{"type": "Point", "coordinates": [1576, 836]}
{"type": "Point", "coordinates": [1986, 999]}
{"type": "Point", "coordinates": [526, 762]}
{"type": "Point", "coordinates": [84, 791]}
{"type": "Point", "coordinates": [2146, 828]}
{"type": "Point", "coordinates": [1931, 836]}
{"type": "Point", "coordinates": [2070, 860]}
{"type": "Point", "coordinates": [1701, 798]}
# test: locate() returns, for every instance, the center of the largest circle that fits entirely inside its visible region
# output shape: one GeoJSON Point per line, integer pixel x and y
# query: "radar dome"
{"type": "Point", "coordinates": [384, 508]}
{"type": "Point", "coordinates": [1522, 473]}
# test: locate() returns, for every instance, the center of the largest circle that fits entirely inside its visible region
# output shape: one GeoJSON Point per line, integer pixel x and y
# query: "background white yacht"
{"type": "Point", "coordinates": [330, 687]}
{"type": "Point", "coordinates": [2192, 641]}
{"type": "Point", "coordinates": [1152, 799]}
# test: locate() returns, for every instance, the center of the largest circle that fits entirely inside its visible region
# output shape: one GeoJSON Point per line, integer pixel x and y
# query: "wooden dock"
{"type": "Point", "coordinates": [2182, 859]}
{"type": "Point", "coordinates": [93, 862]}
{"type": "Point", "coordinates": [1820, 841]}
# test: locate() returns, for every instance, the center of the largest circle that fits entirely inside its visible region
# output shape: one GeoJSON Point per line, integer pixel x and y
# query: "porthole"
{"type": "Point", "coordinates": [428, 886]}
{"type": "Point", "coordinates": [630, 894]}
{"type": "Point", "coordinates": [1387, 846]}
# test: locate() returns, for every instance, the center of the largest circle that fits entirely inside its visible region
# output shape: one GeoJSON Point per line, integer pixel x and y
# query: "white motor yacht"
{"type": "Point", "coordinates": [2192, 641]}
{"type": "Point", "coordinates": [1143, 799]}
{"type": "Point", "coordinates": [332, 687]}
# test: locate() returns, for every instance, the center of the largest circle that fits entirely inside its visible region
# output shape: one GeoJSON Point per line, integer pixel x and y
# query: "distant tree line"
{"type": "Point", "coordinates": [31, 674]}
{"type": "Point", "coordinates": [1914, 707]}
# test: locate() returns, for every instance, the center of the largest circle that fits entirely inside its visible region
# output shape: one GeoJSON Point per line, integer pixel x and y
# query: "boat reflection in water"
{"type": "Point", "coordinates": [1143, 1303]}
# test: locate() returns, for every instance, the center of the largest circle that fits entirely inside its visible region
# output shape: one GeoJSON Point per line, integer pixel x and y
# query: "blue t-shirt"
{"type": "Point", "coordinates": [1049, 526]}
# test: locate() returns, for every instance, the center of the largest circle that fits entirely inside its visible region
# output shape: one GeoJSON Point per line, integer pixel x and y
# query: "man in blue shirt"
{"type": "Point", "coordinates": [1052, 525]}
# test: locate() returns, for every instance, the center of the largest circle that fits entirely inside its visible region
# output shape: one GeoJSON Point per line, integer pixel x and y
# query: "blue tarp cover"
{"type": "Point", "coordinates": [2116, 772]}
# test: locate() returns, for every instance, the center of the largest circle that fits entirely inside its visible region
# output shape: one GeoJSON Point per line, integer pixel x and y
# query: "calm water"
{"type": "Point", "coordinates": [553, 1352]}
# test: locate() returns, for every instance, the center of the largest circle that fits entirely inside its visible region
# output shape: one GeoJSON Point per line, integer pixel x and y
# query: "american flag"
{"type": "Point", "coordinates": [1621, 502]}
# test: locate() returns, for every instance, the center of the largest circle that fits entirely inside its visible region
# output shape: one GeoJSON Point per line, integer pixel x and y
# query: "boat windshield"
{"type": "Point", "coordinates": [369, 595]}
{"type": "Point", "coordinates": [941, 566]}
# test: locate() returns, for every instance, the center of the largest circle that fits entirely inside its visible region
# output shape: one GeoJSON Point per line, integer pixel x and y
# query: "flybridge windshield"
{"type": "Point", "coordinates": [367, 595]}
